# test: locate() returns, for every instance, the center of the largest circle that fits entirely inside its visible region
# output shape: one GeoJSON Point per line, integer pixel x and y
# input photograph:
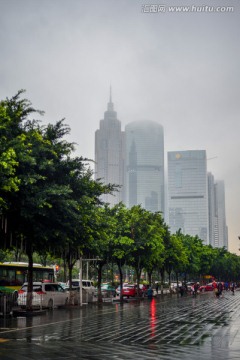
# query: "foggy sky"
{"type": "Point", "coordinates": [178, 69]}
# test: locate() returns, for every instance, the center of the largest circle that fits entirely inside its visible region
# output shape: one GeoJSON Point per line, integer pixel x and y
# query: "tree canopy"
{"type": "Point", "coordinates": [50, 204]}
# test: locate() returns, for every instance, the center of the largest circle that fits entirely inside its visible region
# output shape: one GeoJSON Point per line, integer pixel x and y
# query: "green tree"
{"type": "Point", "coordinates": [176, 258]}
{"type": "Point", "coordinates": [147, 236]}
{"type": "Point", "coordinates": [49, 210]}
{"type": "Point", "coordinates": [155, 255]}
{"type": "Point", "coordinates": [99, 247]}
{"type": "Point", "coordinates": [121, 241]}
{"type": "Point", "coordinates": [193, 247]}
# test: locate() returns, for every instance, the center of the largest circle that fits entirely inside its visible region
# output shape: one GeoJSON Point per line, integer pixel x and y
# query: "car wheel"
{"type": "Point", "coordinates": [50, 304]}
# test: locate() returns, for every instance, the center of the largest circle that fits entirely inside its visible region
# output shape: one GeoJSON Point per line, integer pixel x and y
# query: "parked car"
{"type": "Point", "coordinates": [131, 291]}
{"type": "Point", "coordinates": [45, 295]}
{"type": "Point", "coordinates": [173, 285]}
{"type": "Point", "coordinates": [118, 289]}
{"type": "Point", "coordinates": [207, 287]}
{"type": "Point", "coordinates": [86, 285]}
{"type": "Point", "coordinates": [74, 295]}
{"type": "Point", "coordinates": [63, 285]}
{"type": "Point", "coordinates": [107, 290]}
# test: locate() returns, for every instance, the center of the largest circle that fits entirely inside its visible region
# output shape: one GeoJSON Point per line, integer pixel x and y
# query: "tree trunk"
{"type": "Point", "coordinates": [64, 270]}
{"type": "Point", "coordinates": [121, 280]}
{"type": "Point", "coordinates": [138, 274]}
{"type": "Point", "coordinates": [29, 278]}
{"type": "Point", "coordinates": [150, 278]}
{"type": "Point", "coordinates": [169, 281]}
{"type": "Point", "coordinates": [70, 268]}
{"type": "Point", "coordinates": [100, 266]}
{"type": "Point", "coordinates": [161, 271]}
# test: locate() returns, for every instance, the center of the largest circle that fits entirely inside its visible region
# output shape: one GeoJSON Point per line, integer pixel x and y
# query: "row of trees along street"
{"type": "Point", "coordinates": [50, 205]}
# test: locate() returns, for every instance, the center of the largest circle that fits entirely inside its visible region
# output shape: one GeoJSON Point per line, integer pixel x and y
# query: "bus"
{"type": "Point", "coordinates": [14, 274]}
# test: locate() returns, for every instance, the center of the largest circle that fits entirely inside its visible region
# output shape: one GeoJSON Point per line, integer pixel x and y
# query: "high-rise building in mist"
{"type": "Point", "coordinates": [109, 141]}
{"type": "Point", "coordinates": [134, 159]}
{"type": "Point", "coordinates": [212, 211]}
{"type": "Point", "coordinates": [144, 165]}
{"type": "Point", "coordinates": [218, 231]}
{"type": "Point", "coordinates": [188, 193]}
{"type": "Point", "coordinates": [221, 234]}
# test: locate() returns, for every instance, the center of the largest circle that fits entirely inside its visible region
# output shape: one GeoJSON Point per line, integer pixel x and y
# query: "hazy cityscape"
{"type": "Point", "coordinates": [134, 159]}
{"type": "Point", "coordinates": [140, 94]}
{"type": "Point", "coordinates": [178, 70]}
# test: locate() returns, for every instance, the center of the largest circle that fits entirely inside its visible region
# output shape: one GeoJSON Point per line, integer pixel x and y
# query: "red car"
{"type": "Point", "coordinates": [207, 287]}
{"type": "Point", "coordinates": [131, 291]}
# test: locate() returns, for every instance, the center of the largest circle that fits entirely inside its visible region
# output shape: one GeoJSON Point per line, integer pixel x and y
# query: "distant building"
{"type": "Point", "coordinates": [221, 232]}
{"type": "Point", "coordinates": [109, 162]}
{"type": "Point", "coordinates": [144, 165]}
{"type": "Point", "coordinates": [218, 231]}
{"type": "Point", "coordinates": [134, 159]}
{"type": "Point", "coordinates": [188, 193]}
{"type": "Point", "coordinates": [212, 211]}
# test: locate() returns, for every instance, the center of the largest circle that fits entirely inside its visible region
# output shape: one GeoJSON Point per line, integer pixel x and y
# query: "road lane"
{"type": "Point", "coordinates": [163, 328]}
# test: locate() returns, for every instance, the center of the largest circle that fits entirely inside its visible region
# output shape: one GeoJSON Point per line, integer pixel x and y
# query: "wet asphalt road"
{"type": "Point", "coordinates": [162, 328]}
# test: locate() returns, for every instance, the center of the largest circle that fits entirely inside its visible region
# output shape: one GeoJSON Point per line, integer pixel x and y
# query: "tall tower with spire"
{"type": "Point", "coordinates": [109, 159]}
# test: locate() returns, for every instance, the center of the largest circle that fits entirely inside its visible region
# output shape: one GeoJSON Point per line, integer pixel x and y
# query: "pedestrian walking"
{"type": "Point", "coordinates": [220, 289]}
{"type": "Point", "coordinates": [150, 293]}
{"type": "Point", "coordinates": [195, 289]}
{"type": "Point", "coordinates": [181, 290]}
{"type": "Point", "coordinates": [233, 287]}
{"type": "Point", "coordinates": [157, 288]}
{"type": "Point", "coordinates": [215, 289]}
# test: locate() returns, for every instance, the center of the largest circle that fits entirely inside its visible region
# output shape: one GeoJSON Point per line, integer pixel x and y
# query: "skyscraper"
{"type": "Point", "coordinates": [218, 231]}
{"type": "Point", "coordinates": [212, 211]}
{"type": "Point", "coordinates": [109, 162]}
{"type": "Point", "coordinates": [188, 193]}
{"type": "Point", "coordinates": [144, 165]}
{"type": "Point", "coordinates": [221, 234]}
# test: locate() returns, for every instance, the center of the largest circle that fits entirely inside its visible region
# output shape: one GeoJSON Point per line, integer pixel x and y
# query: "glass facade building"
{"type": "Point", "coordinates": [221, 233]}
{"type": "Point", "coordinates": [188, 193]}
{"type": "Point", "coordinates": [213, 220]}
{"type": "Point", "coordinates": [144, 165]}
{"type": "Point", "coordinates": [218, 231]}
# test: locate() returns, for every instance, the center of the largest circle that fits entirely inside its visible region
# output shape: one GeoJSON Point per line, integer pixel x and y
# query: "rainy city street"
{"type": "Point", "coordinates": [166, 327]}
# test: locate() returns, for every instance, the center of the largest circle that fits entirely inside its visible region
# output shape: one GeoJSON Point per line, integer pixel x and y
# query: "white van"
{"type": "Point", "coordinates": [44, 295]}
{"type": "Point", "coordinates": [86, 284]}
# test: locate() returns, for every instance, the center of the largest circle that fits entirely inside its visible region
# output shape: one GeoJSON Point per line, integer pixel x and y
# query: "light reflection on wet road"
{"type": "Point", "coordinates": [163, 328]}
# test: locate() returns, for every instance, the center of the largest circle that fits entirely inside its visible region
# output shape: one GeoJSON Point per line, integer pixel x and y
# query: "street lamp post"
{"type": "Point", "coordinates": [80, 277]}
{"type": "Point", "coordinates": [80, 281]}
